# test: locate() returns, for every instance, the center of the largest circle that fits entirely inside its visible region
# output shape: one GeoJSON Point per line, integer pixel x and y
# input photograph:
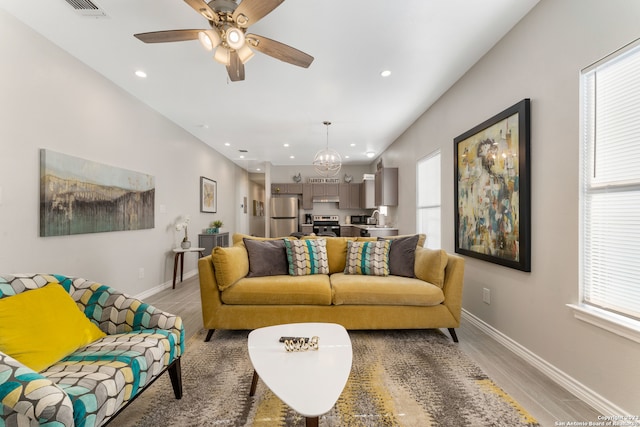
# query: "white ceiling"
{"type": "Point", "coordinates": [426, 44]}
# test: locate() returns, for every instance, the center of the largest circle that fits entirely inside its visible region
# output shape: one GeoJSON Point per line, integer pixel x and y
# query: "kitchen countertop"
{"type": "Point", "coordinates": [368, 227]}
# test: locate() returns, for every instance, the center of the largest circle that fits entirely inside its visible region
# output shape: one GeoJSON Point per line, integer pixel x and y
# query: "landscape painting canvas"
{"type": "Point", "coordinates": [492, 189]}
{"type": "Point", "coordinates": [79, 196]}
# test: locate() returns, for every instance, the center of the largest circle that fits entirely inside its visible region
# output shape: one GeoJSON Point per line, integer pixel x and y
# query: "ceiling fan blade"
{"type": "Point", "coordinates": [168, 36]}
{"type": "Point", "coordinates": [203, 9]}
{"type": "Point", "coordinates": [249, 12]}
{"type": "Point", "coordinates": [279, 50]}
{"type": "Point", "coordinates": [235, 69]}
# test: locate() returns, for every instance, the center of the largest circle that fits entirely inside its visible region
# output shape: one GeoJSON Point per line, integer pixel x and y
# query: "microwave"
{"type": "Point", "coordinates": [359, 219]}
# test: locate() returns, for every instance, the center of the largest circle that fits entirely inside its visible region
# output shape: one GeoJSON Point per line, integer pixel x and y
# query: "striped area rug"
{"type": "Point", "coordinates": [398, 378]}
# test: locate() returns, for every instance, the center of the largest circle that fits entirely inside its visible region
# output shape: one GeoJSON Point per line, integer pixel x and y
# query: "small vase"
{"type": "Point", "coordinates": [216, 230]}
{"type": "Point", "coordinates": [185, 244]}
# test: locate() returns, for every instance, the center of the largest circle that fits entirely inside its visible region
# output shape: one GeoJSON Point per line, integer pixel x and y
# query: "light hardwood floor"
{"type": "Point", "coordinates": [541, 397]}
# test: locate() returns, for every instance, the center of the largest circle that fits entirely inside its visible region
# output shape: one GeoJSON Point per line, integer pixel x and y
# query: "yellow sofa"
{"type": "Point", "coordinates": [231, 300]}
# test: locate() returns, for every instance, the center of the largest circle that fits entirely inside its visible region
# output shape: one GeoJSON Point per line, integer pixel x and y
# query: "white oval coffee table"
{"type": "Point", "coordinates": [310, 382]}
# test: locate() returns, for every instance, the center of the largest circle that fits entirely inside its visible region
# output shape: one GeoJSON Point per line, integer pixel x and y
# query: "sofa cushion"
{"type": "Point", "coordinates": [280, 290]}
{"type": "Point", "coordinates": [41, 326]}
{"type": "Point", "coordinates": [266, 257]}
{"type": "Point", "coordinates": [430, 265]}
{"type": "Point", "coordinates": [402, 255]}
{"type": "Point", "coordinates": [231, 264]}
{"type": "Point", "coordinates": [112, 370]}
{"type": "Point", "coordinates": [370, 258]}
{"type": "Point", "coordinates": [307, 257]}
{"type": "Point", "coordinates": [378, 290]}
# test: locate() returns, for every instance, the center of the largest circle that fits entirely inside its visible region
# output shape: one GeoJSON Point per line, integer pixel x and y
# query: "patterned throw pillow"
{"type": "Point", "coordinates": [371, 258]}
{"type": "Point", "coordinates": [307, 257]}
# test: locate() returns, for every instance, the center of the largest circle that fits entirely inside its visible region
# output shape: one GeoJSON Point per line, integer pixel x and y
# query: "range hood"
{"type": "Point", "coordinates": [326, 199]}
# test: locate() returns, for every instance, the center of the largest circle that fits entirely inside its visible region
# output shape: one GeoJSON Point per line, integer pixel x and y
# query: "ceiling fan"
{"type": "Point", "coordinates": [229, 22]}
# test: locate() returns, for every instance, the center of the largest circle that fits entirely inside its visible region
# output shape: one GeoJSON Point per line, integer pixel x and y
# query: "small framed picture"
{"type": "Point", "coordinates": [208, 195]}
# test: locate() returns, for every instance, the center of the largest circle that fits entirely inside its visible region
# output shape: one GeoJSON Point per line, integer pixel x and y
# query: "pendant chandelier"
{"type": "Point", "coordinates": [327, 162]}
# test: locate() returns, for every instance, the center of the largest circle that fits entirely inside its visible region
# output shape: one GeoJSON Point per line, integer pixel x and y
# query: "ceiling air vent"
{"type": "Point", "coordinates": [87, 8]}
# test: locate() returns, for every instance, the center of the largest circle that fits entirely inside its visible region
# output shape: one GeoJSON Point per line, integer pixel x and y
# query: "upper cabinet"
{"type": "Point", "coordinates": [386, 187]}
{"type": "Point", "coordinates": [349, 196]}
{"type": "Point", "coordinates": [291, 188]}
{"type": "Point", "coordinates": [368, 194]}
{"type": "Point", "coordinates": [320, 190]}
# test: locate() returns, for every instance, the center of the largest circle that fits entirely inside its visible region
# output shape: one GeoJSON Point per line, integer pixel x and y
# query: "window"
{"type": "Point", "coordinates": [610, 191]}
{"type": "Point", "coordinates": [428, 214]}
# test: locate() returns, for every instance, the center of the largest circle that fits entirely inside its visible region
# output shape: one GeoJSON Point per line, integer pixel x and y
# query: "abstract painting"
{"type": "Point", "coordinates": [208, 195]}
{"type": "Point", "coordinates": [493, 189]}
{"type": "Point", "coordinates": [79, 196]}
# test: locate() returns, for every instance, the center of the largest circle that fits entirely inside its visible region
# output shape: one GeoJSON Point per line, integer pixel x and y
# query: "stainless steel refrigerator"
{"type": "Point", "coordinates": [284, 216]}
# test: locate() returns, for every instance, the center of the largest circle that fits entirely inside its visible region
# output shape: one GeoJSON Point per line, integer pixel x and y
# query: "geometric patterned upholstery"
{"type": "Point", "coordinates": [90, 385]}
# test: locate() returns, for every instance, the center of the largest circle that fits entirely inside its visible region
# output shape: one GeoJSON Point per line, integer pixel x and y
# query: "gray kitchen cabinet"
{"type": "Point", "coordinates": [368, 194]}
{"type": "Point", "coordinates": [347, 231]}
{"type": "Point", "coordinates": [349, 196]}
{"type": "Point", "coordinates": [307, 196]}
{"type": "Point", "coordinates": [284, 188]}
{"type": "Point", "coordinates": [325, 190]}
{"type": "Point", "coordinates": [386, 187]}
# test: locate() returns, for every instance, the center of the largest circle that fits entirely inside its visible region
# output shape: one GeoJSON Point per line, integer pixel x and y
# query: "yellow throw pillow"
{"type": "Point", "coordinates": [230, 263]}
{"type": "Point", "coordinates": [430, 265]}
{"type": "Point", "coordinates": [41, 326]}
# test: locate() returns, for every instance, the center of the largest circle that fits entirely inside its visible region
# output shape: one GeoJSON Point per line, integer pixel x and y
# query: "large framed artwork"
{"type": "Point", "coordinates": [493, 189]}
{"type": "Point", "coordinates": [80, 196]}
{"type": "Point", "coordinates": [208, 195]}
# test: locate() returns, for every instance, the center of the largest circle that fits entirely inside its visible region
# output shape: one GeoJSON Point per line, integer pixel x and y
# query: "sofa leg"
{"type": "Point", "coordinates": [175, 373]}
{"type": "Point", "coordinates": [209, 334]}
{"type": "Point", "coordinates": [452, 331]}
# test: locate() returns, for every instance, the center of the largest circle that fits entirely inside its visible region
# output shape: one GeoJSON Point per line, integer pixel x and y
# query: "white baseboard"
{"type": "Point", "coordinates": [569, 383]}
{"type": "Point", "coordinates": [166, 285]}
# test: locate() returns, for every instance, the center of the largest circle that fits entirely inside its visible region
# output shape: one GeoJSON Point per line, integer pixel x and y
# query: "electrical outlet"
{"type": "Point", "coordinates": [486, 295]}
{"type": "Point", "coordinates": [141, 273]}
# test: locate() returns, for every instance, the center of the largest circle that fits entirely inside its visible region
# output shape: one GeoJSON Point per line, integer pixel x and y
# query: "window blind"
{"type": "Point", "coordinates": [428, 203]}
{"type": "Point", "coordinates": [611, 184]}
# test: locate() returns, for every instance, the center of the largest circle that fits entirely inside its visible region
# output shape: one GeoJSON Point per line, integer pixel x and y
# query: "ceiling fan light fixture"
{"type": "Point", "coordinates": [222, 55]}
{"type": "Point", "coordinates": [209, 39]}
{"type": "Point", "coordinates": [245, 53]}
{"type": "Point", "coordinates": [235, 38]}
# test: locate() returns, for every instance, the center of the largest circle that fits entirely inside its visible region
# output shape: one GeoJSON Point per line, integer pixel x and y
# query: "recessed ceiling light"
{"type": "Point", "coordinates": [370, 154]}
{"type": "Point", "coordinates": [346, 157]}
{"type": "Point", "coordinates": [241, 156]}
{"type": "Point", "coordinates": [258, 169]}
{"type": "Point", "coordinates": [227, 144]}
{"type": "Point", "coordinates": [385, 73]}
{"type": "Point", "coordinates": [285, 145]}
{"type": "Point", "coordinates": [141, 74]}
{"type": "Point", "coordinates": [292, 157]}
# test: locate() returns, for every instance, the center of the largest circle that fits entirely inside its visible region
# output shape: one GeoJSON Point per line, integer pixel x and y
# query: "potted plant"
{"type": "Point", "coordinates": [216, 225]}
{"type": "Point", "coordinates": [185, 244]}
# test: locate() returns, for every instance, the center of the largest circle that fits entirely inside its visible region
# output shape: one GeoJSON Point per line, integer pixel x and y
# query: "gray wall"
{"type": "Point", "coordinates": [541, 59]}
{"type": "Point", "coordinates": [50, 100]}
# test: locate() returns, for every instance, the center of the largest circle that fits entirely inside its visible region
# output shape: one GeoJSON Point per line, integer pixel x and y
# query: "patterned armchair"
{"type": "Point", "coordinates": [91, 385]}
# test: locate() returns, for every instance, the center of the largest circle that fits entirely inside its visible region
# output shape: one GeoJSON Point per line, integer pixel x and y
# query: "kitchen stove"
{"type": "Point", "coordinates": [326, 224]}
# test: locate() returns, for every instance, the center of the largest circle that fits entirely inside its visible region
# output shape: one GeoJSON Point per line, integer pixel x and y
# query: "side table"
{"type": "Point", "coordinates": [179, 255]}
